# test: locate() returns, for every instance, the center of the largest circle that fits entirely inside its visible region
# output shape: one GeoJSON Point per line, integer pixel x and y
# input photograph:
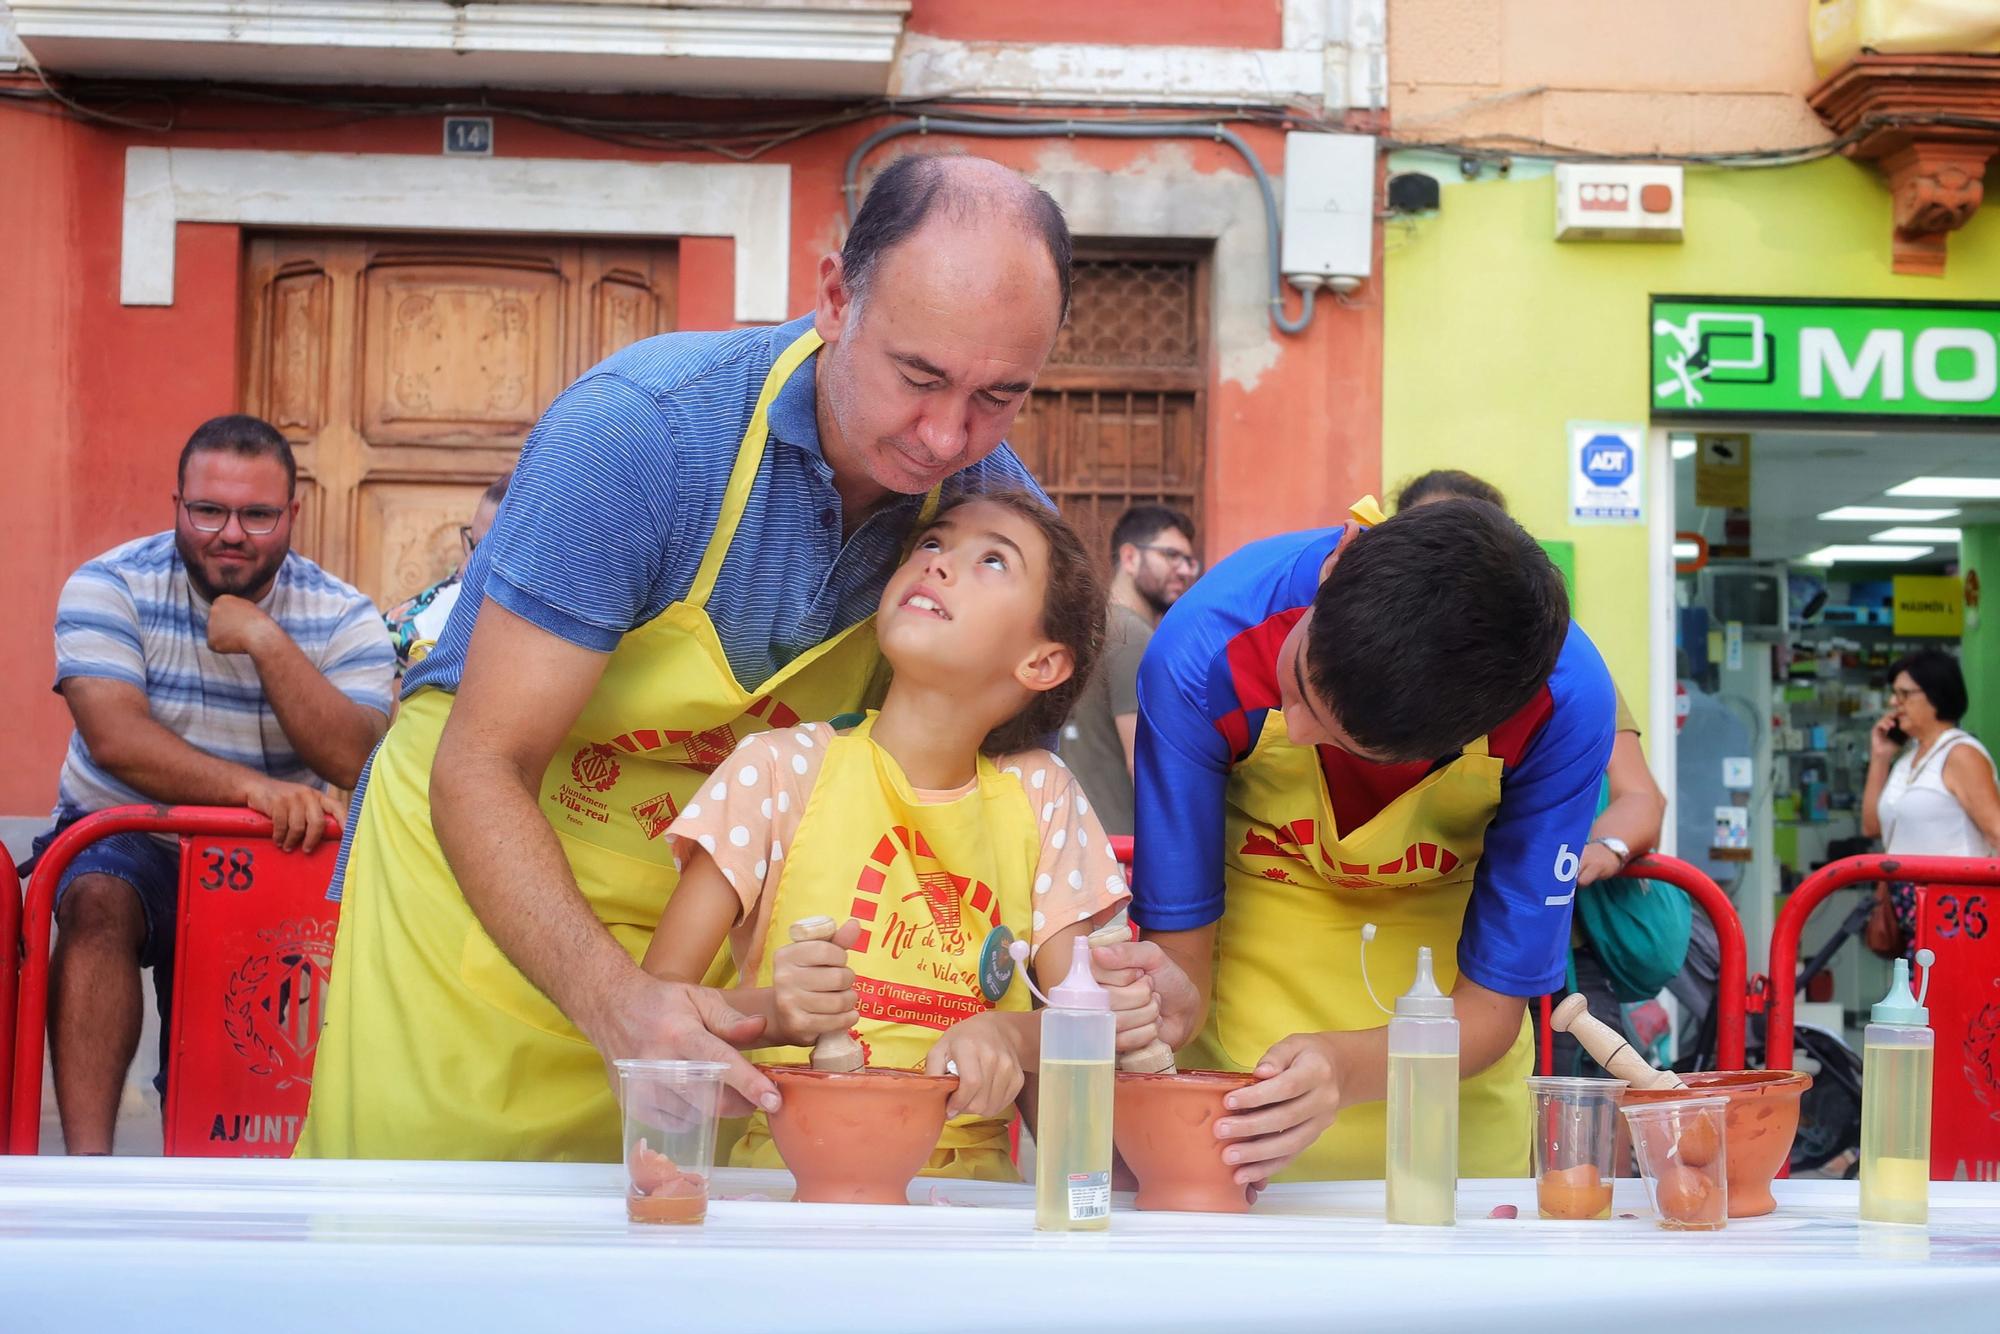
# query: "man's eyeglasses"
{"type": "Point", "coordinates": [1180, 560]}
{"type": "Point", "coordinates": [256, 520]}
{"type": "Point", "coordinates": [466, 539]}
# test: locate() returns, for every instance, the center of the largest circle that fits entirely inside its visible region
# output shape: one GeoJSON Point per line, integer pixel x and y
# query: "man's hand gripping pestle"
{"type": "Point", "coordinates": [1156, 1057]}
{"type": "Point", "coordinates": [1609, 1050]}
{"type": "Point", "coordinates": [838, 1052]}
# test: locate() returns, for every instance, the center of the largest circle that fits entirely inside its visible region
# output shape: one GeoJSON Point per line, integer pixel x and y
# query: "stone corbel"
{"type": "Point", "coordinates": [1894, 106]}
{"type": "Point", "coordinates": [1937, 188]}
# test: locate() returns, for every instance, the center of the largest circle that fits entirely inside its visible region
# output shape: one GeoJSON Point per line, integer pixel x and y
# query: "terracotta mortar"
{"type": "Point", "coordinates": [1164, 1126]}
{"type": "Point", "coordinates": [857, 1137]}
{"type": "Point", "coordinates": [1762, 1118]}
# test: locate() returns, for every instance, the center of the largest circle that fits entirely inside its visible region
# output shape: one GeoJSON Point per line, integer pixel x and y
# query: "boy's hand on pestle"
{"type": "Point", "coordinates": [1138, 974]}
{"type": "Point", "coordinates": [986, 1052]}
{"type": "Point", "coordinates": [1276, 1119]}
{"type": "Point", "coordinates": [812, 988]}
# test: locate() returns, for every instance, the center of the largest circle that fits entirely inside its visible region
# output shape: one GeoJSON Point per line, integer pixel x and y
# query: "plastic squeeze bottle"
{"type": "Point", "coordinates": [1073, 1125]}
{"type": "Point", "coordinates": [1422, 1164]}
{"type": "Point", "coordinates": [1896, 1103]}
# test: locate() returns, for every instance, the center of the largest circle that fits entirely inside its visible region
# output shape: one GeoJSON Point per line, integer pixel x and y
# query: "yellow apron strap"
{"type": "Point", "coordinates": [1366, 512]}
{"type": "Point", "coordinates": [749, 453]}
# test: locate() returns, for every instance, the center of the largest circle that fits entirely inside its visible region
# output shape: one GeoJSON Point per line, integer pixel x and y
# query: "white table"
{"type": "Point", "coordinates": [187, 1244]}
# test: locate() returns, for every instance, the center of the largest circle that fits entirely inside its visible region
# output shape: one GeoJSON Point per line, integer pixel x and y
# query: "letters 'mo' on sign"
{"type": "Point", "coordinates": [1773, 357]}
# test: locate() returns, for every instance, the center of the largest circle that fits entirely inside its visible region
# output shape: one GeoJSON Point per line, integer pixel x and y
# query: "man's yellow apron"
{"type": "Point", "coordinates": [1288, 948]}
{"type": "Point", "coordinates": [435, 1045]}
{"type": "Point", "coordinates": [931, 883]}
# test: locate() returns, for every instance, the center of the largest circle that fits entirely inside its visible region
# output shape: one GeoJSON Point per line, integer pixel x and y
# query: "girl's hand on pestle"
{"type": "Point", "coordinates": [812, 988]}
{"type": "Point", "coordinates": [986, 1052]}
{"type": "Point", "coordinates": [1276, 1119]}
{"type": "Point", "coordinates": [1176, 1012]}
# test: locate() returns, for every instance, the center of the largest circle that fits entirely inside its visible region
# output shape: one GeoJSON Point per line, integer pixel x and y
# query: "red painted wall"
{"type": "Point", "coordinates": [100, 395]}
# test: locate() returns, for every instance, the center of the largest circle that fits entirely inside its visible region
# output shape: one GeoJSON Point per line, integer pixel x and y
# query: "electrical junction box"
{"type": "Point", "coordinates": [1612, 201]}
{"type": "Point", "coordinates": [1329, 208]}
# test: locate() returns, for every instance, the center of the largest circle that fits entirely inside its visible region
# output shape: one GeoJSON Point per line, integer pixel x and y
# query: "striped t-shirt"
{"type": "Point", "coordinates": [131, 615]}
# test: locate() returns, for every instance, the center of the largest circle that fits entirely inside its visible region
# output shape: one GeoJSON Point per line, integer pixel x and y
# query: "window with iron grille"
{"type": "Point", "coordinates": [1117, 417]}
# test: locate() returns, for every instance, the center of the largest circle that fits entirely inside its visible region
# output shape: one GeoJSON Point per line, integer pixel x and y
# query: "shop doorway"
{"type": "Point", "coordinates": [407, 371]}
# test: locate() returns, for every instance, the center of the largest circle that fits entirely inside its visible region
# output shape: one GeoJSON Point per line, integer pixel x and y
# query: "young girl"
{"type": "Point", "coordinates": [936, 830]}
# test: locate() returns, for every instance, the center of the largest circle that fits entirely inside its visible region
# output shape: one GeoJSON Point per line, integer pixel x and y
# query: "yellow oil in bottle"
{"type": "Point", "coordinates": [1422, 1166]}
{"type": "Point", "coordinates": [1073, 1146]}
{"type": "Point", "coordinates": [1896, 1133]}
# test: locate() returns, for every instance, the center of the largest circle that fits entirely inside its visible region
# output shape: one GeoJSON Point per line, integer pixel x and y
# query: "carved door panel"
{"type": "Point", "coordinates": [407, 372]}
{"type": "Point", "coordinates": [1117, 418]}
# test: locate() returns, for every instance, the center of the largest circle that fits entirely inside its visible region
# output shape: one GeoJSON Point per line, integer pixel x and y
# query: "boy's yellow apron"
{"type": "Point", "coordinates": [435, 1045]}
{"type": "Point", "coordinates": [930, 882]}
{"type": "Point", "coordinates": [1288, 948]}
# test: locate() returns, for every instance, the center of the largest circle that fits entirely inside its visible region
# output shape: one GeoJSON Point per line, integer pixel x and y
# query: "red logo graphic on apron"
{"type": "Point", "coordinates": [595, 767]}
{"type": "Point", "coordinates": [1418, 856]}
{"type": "Point", "coordinates": [705, 750]}
{"type": "Point", "coordinates": [655, 815]}
{"type": "Point", "coordinates": [274, 1003]}
{"type": "Point", "coordinates": [945, 894]}
{"type": "Point", "coordinates": [1285, 841]}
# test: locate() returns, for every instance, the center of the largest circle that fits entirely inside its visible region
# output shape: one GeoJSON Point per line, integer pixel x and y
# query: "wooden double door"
{"type": "Point", "coordinates": [407, 372]}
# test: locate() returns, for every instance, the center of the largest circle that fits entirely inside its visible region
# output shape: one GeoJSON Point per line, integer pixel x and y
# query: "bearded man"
{"type": "Point", "coordinates": [207, 665]}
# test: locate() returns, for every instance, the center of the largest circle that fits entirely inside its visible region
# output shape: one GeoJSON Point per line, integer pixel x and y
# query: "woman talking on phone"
{"type": "Point", "coordinates": [1931, 789]}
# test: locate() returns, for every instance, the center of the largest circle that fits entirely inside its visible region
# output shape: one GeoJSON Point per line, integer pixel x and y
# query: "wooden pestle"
{"type": "Point", "coordinates": [838, 1052]}
{"type": "Point", "coordinates": [1156, 1057]}
{"type": "Point", "coordinates": [1572, 1015]}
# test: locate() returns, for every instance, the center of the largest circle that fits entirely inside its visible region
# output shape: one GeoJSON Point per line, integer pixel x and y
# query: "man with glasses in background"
{"type": "Point", "coordinates": [209, 665]}
{"type": "Point", "coordinates": [1153, 562]}
{"type": "Point", "coordinates": [415, 623]}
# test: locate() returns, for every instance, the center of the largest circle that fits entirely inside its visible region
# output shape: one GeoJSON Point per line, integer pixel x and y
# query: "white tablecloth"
{"type": "Point", "coordinates": [151, 1245]}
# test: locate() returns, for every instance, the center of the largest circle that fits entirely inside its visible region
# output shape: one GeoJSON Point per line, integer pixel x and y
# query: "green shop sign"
{"type": "Point", "coordinates": [1871, 360]}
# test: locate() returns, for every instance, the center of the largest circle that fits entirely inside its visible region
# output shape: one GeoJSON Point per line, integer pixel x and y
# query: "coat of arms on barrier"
{"type": "Point", "coordinates": [275, 1000]}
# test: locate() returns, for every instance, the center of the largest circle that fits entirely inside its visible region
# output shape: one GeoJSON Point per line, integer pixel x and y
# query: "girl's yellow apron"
{"type": "Point", "coordinates": [435, 1045]}
{"type": "Point", "coordinates": [1288, 947]}
{"type": "Point", "coordinates": [931, 883]}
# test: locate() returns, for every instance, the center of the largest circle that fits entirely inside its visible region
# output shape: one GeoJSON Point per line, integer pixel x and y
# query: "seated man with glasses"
{"type": "Point", "coordinates": [417, 621]}
{"type": "Point", "coordinates": [209, 665]}
{"type": "Point", "coordinates": [1152, 563]}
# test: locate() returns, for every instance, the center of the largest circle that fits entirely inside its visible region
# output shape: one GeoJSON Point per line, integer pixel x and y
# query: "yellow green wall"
{"type": "Point", "coordinates": [1497, 334]}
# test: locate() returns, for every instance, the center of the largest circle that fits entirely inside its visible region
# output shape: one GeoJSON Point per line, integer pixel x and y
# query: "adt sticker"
{"type": "Point", "coordinates": [1605, 472]}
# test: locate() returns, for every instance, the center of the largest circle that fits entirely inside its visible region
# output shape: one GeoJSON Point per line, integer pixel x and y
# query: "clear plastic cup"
{"type": "Point", "coordinates": [669, 1112]}
{"type": "Point", "coordinates": [1682, 1151]}
{"type": "Point", "coordinates": [1575, 1126]}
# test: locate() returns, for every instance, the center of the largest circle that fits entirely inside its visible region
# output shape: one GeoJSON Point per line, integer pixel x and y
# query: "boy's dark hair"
{"type": "Point", "coordinates": [905, 194]}
{"type": "Point", "coordinates": [1938, 675]}
{"type": "Point", "coordinates": [1440, 483]}
{"type": "Point", "coordinates": [239, 433]}
{"type": "Point", "coordinates": [1434, 628]}
{"type": "Point", "coordinates": [1072, 615]}
{"type": "Point", "coordinates": [1143, 523]}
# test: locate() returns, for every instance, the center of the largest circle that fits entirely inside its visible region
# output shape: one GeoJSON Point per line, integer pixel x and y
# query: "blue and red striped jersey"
{"type": "Point", "coordinates": [1209, 681]}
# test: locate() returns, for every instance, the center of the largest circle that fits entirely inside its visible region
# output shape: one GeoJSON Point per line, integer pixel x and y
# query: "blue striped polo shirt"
{"type": "Point", "coordinates": [619, 488]}
{"type": "Point", "coordinates": [131, 615]}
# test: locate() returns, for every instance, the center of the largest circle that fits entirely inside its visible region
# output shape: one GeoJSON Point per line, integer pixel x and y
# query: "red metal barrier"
{"type": "Point", "coordinates": [1732, 984]}
{"type": "Point", "coordinates": [10, 990]}
{"type": "Point", "coordinates": [24, 1109]}
{"type": "Point", "coordinates": [1813, 890]}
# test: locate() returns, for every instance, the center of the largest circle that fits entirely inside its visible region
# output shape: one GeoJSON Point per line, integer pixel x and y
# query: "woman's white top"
{"type": "Point", "coordinates": [1920, 817]}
